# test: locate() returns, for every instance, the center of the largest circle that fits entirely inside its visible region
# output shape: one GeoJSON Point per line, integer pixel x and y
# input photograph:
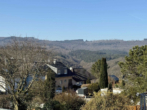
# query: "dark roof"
{"type": "Point", "coordinates": [69, 73]}
{"type": "Point", "coordinates": [61, 65]}
{"type": "Point", "coordinates": [58, 65]}
{"type": "Point", "coordinates": [80, 74]}
{"type": "Point", "coordinates": [114, 77]}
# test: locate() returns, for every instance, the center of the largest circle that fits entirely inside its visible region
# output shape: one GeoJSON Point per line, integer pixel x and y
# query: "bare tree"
{"type": "Point", "coordinates": [20, 65]}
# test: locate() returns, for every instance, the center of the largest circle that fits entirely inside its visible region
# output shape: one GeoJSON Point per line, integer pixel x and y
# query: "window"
{"type": "Point", "coordinates": [58, 72]}
{"type": "Point", "coordinates": [65, 80]}
{"type": "Point", "coordinates": [65, 71]}
{"type": "Point", "coordinates": [60, 81]}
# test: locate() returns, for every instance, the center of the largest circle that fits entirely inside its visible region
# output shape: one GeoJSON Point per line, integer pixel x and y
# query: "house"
{"type": "Point", "coordinates": [64, 76]}
{"type": "Point", "coordinates": [67, 77]}
{"type": "Point", "coordinates": [81, 75]}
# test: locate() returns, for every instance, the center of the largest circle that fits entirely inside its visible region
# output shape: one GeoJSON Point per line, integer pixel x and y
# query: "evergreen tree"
{"type": "Point", "coordinates": [49, 89]}
{"type": "Point", "coordinates": [134, 71]}
{"type": "Point", "coordinates": [103, 74]}
{"type": "Point", "coordinates": [95, 69]}
{"type": "Point", "coordinates": [50, 85]}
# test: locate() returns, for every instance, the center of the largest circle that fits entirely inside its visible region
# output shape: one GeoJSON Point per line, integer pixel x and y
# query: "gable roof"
{"type": "Point", "coordinates": [80, 74]}
{"type": "Point", "coordinates": [58, 65]}
{"type": "Point", "coordinates": [61, 65]}
{"type": "Point", "coordinates": [69, 73]}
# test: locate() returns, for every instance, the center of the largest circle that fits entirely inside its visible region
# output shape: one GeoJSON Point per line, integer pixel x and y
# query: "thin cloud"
{"type": "Point", "coordinates": [136, 17]}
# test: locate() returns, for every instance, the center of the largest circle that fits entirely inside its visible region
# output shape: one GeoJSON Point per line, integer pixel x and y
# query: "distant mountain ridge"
{"type": "Point", "coordinates": [79, 44]}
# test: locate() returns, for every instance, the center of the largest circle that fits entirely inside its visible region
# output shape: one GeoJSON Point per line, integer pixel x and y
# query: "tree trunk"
{"type": "Point", "coordinates": [16, 107]}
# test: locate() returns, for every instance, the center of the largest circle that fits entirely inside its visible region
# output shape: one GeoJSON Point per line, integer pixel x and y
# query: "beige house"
{"type": "Point", "coordinates": [68, 77]}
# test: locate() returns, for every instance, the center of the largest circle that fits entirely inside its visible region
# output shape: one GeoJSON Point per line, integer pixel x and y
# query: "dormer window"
{"type": "Point", "coordinates": [65, 71]}
{"type": "Point", "coordinates": [59, 72]}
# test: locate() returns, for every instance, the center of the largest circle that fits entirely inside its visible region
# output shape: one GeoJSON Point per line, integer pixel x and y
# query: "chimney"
{"type": "Point", "coordinates": [71, 69]}
{"type": "Point", "coordinates": [54, 61]}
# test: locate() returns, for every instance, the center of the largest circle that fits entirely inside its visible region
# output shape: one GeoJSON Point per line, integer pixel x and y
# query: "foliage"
{"type": "Point", "coordinates": [131, 93]}
{"type": "Point", "coordinates": [134, 71]}
{"type": "Point", "coordinates": [88, 81]}
{"type": "Point", "coordinates": [69, 101]}
{"type": "Point", "coordinates": [63, 89]}
{"type": "Point", "coordinates": [103, 82]}
{"type": "Point", "coordinates": [123, 83]}
{"type": "Point", "coordinates": [107, 102]}
{"type": "Point", "coordinates": [92, 56]}
{"type": "Point", "coordinates": [49, 87]}
{"type": "Point", "coordinates": [5, 101]}
{"type": "Point", "coordinates": [20, 67]}
{"type": "Point", "coordinates": [94, 87]}
{"type": "Point", "coordinates": [110, 87]}
{"type": "Point", "coordinates": [95, 69]}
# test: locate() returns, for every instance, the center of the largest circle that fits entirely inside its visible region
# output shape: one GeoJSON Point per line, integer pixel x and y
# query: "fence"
{"type": "Point", "coordinates": [137, 107]}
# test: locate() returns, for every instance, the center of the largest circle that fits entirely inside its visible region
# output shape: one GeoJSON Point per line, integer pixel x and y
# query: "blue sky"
{"type": "Point", "coordinates": [74, 19]}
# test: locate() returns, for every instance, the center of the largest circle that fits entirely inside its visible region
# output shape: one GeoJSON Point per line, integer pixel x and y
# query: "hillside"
{"type": "Point", "coordinates": [71, 45]}
{"type": "Point", "coordinates": [80, 53]}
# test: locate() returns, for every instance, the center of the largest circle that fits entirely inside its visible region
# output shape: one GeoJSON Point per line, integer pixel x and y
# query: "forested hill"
{"type": "Point", "coordinates": [70, 45]}
{"type": "Point", "coordinates": [92, 56]}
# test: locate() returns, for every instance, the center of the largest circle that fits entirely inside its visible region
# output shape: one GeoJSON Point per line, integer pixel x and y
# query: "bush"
{"type": "Point", "coordinates": [123, 83]}
{"type": "Point", "coordinates": [107, 102]}
{"type": "Point", "coordinates": [69, 101]}
{"type": "Point", "coordinates": [5, 101]}
{"type": "Point", "coordinates": [94, 87]}
{"type": "Point", "coordinates": [88, 81]}
{"type": "Point", "coordinates": [38, 108]}
{"type": "Point", "coordinates": [52, 105]}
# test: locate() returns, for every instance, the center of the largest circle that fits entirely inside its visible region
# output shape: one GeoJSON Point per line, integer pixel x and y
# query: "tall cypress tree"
{"type": "Point", "coordinates": [103, 74]}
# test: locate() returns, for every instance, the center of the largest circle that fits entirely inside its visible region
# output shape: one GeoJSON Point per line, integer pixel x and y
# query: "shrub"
{"type": "Point", "coordinates": [123, 83]}
{"type": "Point", "coordinates": [52, 105]}
{"type": "Point", "coordinates": [94, 87]}
{"type": "Point", "coordinates": [88, 81]}
{"type": "Point", "coordinates": [107, 102]}
{"type": "Point", "coordinates": [69, 101]}
{"type": "Point", "coordinates": [5, 101]}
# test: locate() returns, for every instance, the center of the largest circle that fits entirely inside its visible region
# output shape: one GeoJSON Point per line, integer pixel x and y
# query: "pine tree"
{"type": "Point", "coordinates": [95, 69]}
{"type": "Point", "coordinates": [103, 74]}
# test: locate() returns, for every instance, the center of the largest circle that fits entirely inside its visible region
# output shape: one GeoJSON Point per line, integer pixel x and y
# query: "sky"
{"type": "Point", "coordinates": [74, 19]}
